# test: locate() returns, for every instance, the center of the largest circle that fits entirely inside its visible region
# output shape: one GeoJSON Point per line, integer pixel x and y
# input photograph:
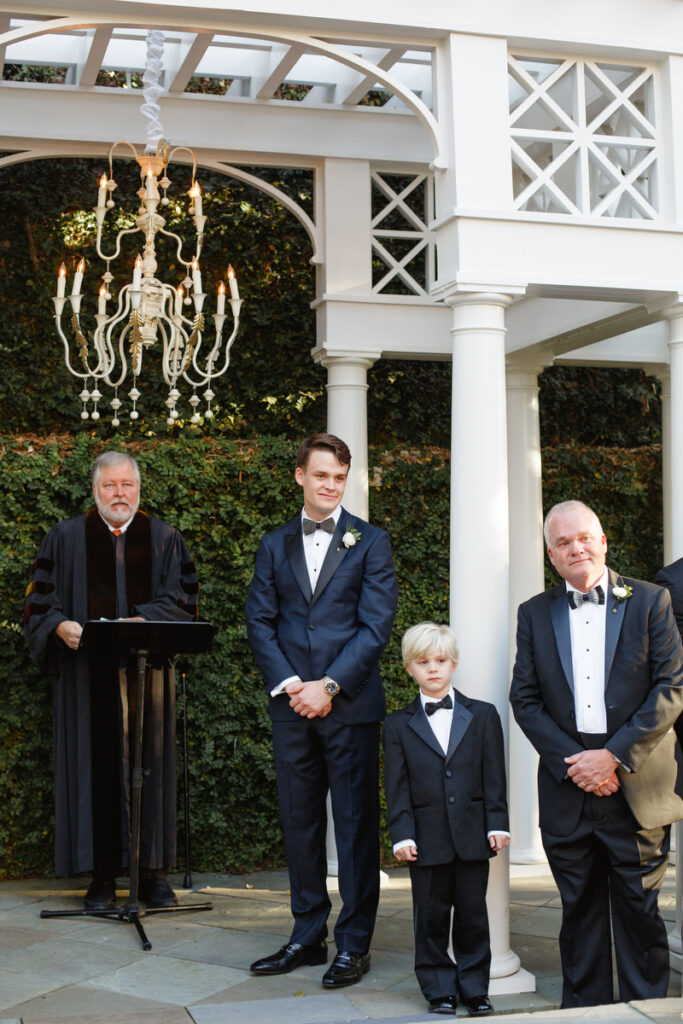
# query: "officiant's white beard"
{"type": "Point", "coordinates": [119, 512]}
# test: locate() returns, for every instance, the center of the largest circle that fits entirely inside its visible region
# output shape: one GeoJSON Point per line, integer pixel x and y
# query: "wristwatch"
{"type": "Point", "coordinates": [331, 687]}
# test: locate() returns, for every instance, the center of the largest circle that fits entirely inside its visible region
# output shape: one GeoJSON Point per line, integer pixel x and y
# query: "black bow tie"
{"type": "Point", "coordinates": [433, 705]}
{"type": "Point", "coordinates": [594, 596]}
{"type": "Point", "coordinates": [310, 526]}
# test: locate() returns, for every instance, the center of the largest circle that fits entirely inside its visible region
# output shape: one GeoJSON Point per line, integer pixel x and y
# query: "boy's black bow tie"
{"type": "Point", "coordinates": [433, 705]}
{"type": "Point", "coordinates": [310, 526]}
{"type": "Point", "coordinates": [595, 596]}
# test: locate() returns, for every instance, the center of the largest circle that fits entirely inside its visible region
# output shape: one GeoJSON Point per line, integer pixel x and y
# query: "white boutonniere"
{"type": "Point", "coordinates": [351, 537]}
{"type": "Point", "coordinates": [621, 594]}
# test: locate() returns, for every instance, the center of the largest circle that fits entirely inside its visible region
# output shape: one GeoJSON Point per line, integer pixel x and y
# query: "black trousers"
{"type": "Point", "coordinates": [311, 754]}
{"type": "Point", "coordinates": [460, 887]}
{"type": "Point", "coordinates": [610, 867]}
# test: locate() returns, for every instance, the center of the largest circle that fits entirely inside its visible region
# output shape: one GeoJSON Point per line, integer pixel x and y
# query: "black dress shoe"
{"type": "Point", "coordinates": [346, 969]}
{"type": "Point", "coordinates": [444, 1004]}
{"type": "Point", "coordinates": [478, 1006]}
{"type": "Point", "coordinates": [290, 956]}
{"type": "Point", "coordinates": [100, 894]}
{"type": "Point", "coordinates": [156, 892]}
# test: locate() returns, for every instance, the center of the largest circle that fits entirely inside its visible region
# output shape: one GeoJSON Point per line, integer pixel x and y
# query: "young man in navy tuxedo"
{"type": "Point", "coordinates": [319, 614]}
{"type": "Point", "coordinates": [597, 687]}
{"type": "Point", "coordinates": [444, 765]}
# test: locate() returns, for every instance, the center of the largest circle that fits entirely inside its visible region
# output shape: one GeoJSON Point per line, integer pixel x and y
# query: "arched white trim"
{"type": "Point", "coordinates": [215, 165]}
{"type": "Point", "coordinates": [255, 31]}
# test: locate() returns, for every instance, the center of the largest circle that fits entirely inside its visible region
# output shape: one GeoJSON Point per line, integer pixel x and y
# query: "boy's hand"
{"type": "Point", "coordinates": [498, 841]}
{"type": "Point", "coordinates": [406, 853]}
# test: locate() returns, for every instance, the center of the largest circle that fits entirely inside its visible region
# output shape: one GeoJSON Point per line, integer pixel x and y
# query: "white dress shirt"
{"type": "Point", "coordinates": [316, 545]}
{"type": "Point", "coordinates": [587, 630]}
{"type": "Point", "coordinates": [121, 529]}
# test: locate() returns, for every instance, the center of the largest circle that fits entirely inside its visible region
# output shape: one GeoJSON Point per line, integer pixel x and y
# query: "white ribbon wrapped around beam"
{"type": "Point", "coordinates": [153, 89]}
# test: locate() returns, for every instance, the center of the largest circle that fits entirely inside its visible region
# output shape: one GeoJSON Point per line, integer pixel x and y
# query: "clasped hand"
{"type": "Point", "coordinates": [309, 699]}
{"type": "Point", "coordinates": [593, 772]}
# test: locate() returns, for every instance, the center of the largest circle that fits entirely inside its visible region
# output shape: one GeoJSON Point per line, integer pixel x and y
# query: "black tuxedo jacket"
{"type": "Point", "coordinates": [671, 577]}
{"type": "Point", "coordinates": [446, 803]}
{"type": "Point", "coordinates": [643, 698]}
{"type": "Point", "coordinates": [340, 630]}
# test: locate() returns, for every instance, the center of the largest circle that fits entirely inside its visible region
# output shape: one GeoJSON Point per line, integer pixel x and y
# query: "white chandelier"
{"type": "Point", "coordinates": [147, 310]}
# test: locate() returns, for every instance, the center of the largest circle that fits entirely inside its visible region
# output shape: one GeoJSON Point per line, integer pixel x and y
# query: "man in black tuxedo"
{"type": "Point", "coordinates": [319, 614]}
{"type": "Point", "coordinates": [597, 686]}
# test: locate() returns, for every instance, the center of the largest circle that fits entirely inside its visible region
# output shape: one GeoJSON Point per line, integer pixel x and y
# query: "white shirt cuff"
{"type": "Point", "coordinates": [282, 687]}
{"type": "Point", "coordinates": [497, 832]}
{"type": "Point", "coordinates": [402, 843]}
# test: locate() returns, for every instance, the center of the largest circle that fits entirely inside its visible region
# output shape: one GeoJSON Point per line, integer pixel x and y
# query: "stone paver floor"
{"type": "Point", "coordinates": [85, 971]}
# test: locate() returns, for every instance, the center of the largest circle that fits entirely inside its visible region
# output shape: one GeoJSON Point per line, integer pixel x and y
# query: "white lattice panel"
{"type": "Point", "coordinates": [402, 244]}
{"type": "Point", "coordinates": [583, 137]}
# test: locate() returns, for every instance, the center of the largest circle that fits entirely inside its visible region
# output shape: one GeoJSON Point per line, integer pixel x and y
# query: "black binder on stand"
{"type": "Point", "coordinates": [118, 639]}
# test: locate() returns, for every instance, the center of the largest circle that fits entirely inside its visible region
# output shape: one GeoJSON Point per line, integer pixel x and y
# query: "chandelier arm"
{"type": "Point", "coordinates": [67, 354]}
{"type": "Point", "coordinates": [178, 239]}
{"type": "Point", "coordinates": [113, 146]}
{"type": "Point", "coordinates": [120, 315]}
{"type": "Point", "coordinates": [185, 149]}
{"type": "Point", "coordinates": [206, 377]}
{"type": "Point", "coordinates": [171, 347]}
{"type": "Point", "coordinates": [115, 255]}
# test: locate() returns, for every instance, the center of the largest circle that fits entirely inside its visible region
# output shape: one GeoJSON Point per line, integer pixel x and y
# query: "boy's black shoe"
{"type": "Point", "coordinates": [290, 956]}
{"type": "Point", "coordinates": [478, 1006]}
{"type": "Point", "coordinates": [444, 1004]}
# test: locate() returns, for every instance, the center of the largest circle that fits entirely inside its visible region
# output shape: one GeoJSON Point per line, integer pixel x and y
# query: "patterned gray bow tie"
{"type": "Point", "coordinates": [310, 526]}
{"type": "Point", "coordinates": [594, 596]}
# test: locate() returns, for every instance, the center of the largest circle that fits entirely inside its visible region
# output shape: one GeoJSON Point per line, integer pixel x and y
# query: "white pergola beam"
{"type": "Point", "coordinates": [243, 127]}
{"type": "Point", "coordinates": [386, 63]}
{"type": "Point", "coordinates": [645, 348]}
{"type": "Point", "coordinates": [88, 71]}
{"type": "Point", "coordinates": [4, 27]}
{"type": "Point", "coordinates": [285, 60]}
{"type": "Point", "coordinates": [189, 64]}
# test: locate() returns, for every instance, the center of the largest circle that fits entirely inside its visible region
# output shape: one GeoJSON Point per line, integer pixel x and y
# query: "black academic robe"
{"type": "Point", "coordinates": [74, 578]}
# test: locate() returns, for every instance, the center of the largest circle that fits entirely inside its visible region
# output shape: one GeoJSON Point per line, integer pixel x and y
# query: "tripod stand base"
{"type": "Point", "coordinates": [129, 913]}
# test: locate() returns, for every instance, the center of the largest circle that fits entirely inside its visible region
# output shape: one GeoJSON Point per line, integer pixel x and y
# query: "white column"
{"type": "Point", "coordinates": [479, 573]}
{"type": "Point", "coordinates": [526, 579]}
{"type": "Point", "coordinates": [347, 417]}
{"type": "Point", "coordinates": [665, 380]}
{"type": "Point", "coordinates": [672, 468]}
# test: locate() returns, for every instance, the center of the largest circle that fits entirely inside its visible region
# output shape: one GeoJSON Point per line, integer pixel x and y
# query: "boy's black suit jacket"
{"type": "Point", "coordinates": [446, 803]}
{"type": "Point", "coordinates": [643, 699]}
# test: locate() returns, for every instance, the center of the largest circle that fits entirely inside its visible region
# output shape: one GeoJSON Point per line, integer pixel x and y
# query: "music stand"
{"type": "Point", "coordinates": [117, 639]}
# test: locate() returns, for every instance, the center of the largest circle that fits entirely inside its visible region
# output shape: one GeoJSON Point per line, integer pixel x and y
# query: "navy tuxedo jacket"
{"type": "Point", "coordinates": [340, 630]}
{"type": "Point", "coordinates": [643, 699]}
{"type": "Point", "coordinates": [446, 803]}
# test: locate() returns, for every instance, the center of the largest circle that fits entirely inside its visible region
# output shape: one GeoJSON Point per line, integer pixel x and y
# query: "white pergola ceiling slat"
{"type": "Point", "coordinates": [258, 66]}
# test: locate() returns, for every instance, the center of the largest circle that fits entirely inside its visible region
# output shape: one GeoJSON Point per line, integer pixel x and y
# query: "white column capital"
{"type": "Point", "coordinates": [456, 296]}
{"type": "Point", "coordinates": [522, 375]}
{"type": "Point", "coordinates": [330, 357]}
{"type": "Point", "coordinates": [673, 308]}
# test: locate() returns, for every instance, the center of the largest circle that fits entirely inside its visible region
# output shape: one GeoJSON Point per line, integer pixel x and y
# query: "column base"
{"type": "Point", "coordinates": [505, 964]}
{"type": "Point", "coordinates": [528, 855]}
{"type": "Point", "coordinates": [520, 981]}
{"type": "Point", "coordinates": [675, 950]}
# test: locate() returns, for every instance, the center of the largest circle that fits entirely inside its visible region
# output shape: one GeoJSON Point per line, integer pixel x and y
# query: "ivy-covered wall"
{"type": "Point", "coordinates": [224, 495]}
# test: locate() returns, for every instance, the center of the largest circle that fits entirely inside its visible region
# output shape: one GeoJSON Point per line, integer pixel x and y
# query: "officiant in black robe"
{"type": "Point", "coordinates": [113, 562]}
